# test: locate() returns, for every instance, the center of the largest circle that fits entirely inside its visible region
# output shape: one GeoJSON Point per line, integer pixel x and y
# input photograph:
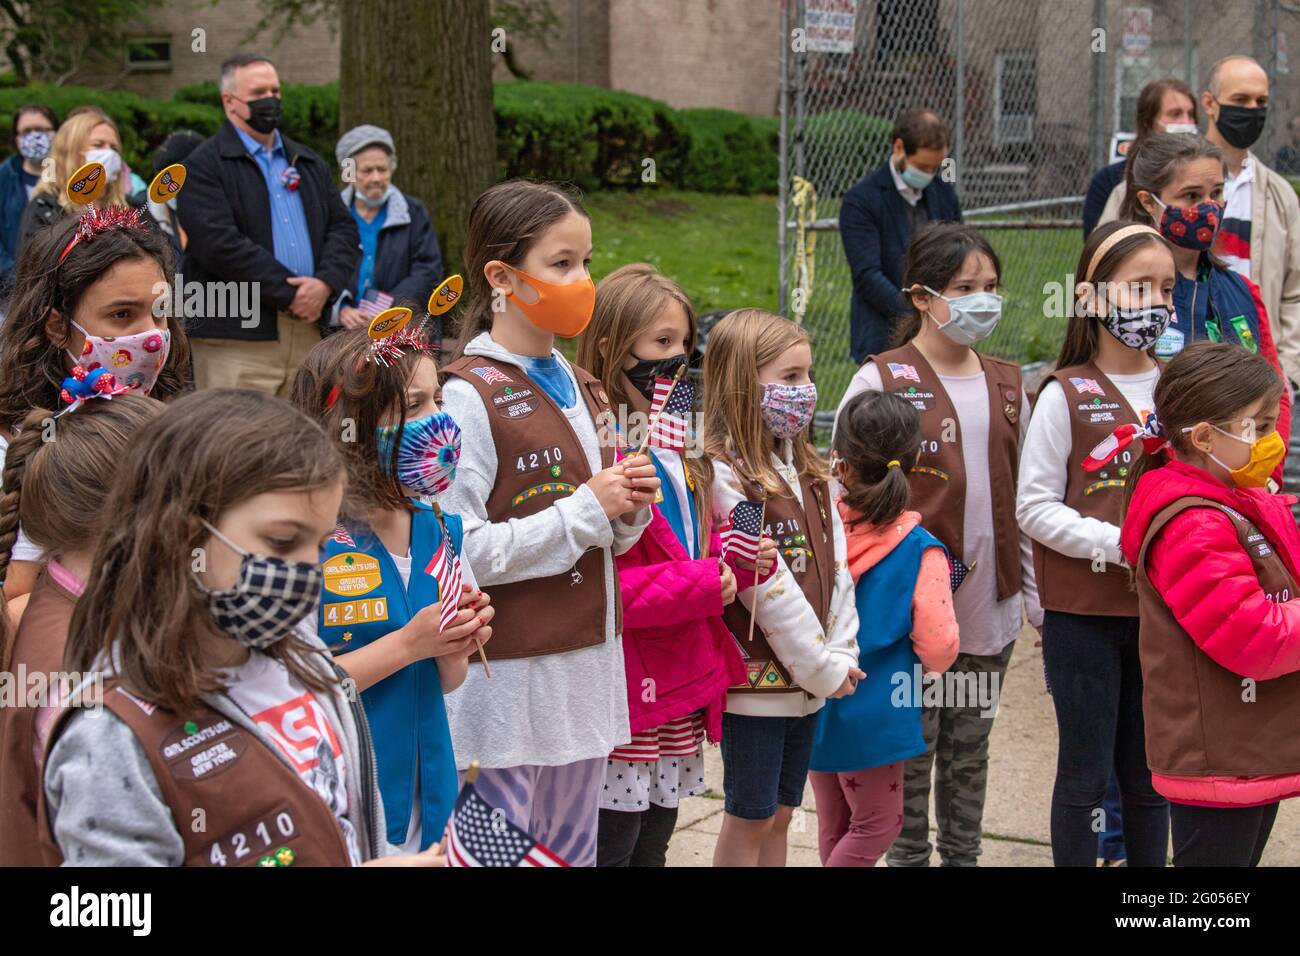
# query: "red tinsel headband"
{"type": "Point", "coordinates": [385, 351]}
{"type": "Point", "coordinates": [95, 221]}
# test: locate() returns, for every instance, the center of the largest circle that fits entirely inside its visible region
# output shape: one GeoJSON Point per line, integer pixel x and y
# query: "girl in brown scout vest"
{"type": "Point", "coordinates": [973, 414]}
{"type": "Point", "coordinates": [57, 490]}
{"type": "Point", "coordinates": [229, 739]}
{"type": "Point", "coordinates": [1104, 378]}
{"type": "Point", "coordinates": [545, 507]}
{"type": "Point", "coordinates": [1217, 561]}
{"type": "Point", "coordinates": [758, 403]}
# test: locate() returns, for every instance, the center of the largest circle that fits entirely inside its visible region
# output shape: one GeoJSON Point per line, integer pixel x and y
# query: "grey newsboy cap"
{"type": "Point", "coordinates": [359, 137]}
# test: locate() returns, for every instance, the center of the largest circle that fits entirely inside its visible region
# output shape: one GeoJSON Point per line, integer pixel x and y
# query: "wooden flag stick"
{"type": "Point", "coordinates": [482, 655]}
{"type": "Point", "coordinates": [471, 774]}
{"type": "Point", "coordinates": [677, 377]}
{"type": "Point", "coordinates": [753, 608]}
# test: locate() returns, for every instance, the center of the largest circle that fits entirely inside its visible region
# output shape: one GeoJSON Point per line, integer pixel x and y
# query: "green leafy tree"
{"type": "Point", "coordinates": [47, 41]}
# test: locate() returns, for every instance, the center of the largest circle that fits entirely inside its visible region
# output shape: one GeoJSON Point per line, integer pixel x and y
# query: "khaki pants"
{"type": "Point", "coordinates": [262, 366]}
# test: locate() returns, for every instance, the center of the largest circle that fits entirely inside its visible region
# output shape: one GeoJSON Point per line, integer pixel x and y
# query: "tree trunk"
{"type": "Point", "coordinates": [422, 69]}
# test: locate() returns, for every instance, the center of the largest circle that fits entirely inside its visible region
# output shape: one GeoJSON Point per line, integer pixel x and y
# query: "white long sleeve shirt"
{"type": "Point", "coordinates": [818, 659]}
{"type": "Point", "coordinates": [1044, 459]}
{"type": "Point", "coordinates": [558, 708]}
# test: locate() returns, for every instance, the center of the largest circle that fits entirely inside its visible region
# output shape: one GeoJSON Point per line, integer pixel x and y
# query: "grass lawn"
{"type": "Point", "coordinates": [722, 250]}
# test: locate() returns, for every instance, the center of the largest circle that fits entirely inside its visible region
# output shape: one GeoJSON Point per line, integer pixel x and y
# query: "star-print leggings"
{"type": "Point", "coordinates": [557, 806]}
{"type": "Point", "coordinates": [859, 814]}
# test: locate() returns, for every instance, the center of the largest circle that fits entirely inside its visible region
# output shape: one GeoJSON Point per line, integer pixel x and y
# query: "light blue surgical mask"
{"type": "Point", "coordinates": [377, 202]}
{"type": "Point", "coordinates": [914, 177]}
{"type": "Point", "coordinates": [970, 317]}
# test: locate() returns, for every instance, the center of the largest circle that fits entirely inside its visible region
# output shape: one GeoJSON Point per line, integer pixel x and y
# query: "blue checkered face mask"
{"type": "Point", "coordinates": [268, 599]}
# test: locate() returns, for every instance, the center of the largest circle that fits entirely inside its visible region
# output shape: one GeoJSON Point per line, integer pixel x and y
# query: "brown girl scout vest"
{"type": "Point", "coordinates": [938, 482]}
{"type": "Point", "coordinates": [1201, 718]}
{"type": "Point", "coordinates": [803, 538]}
{"type": "Point", "coordinates": [539, 461]}
{"type": "Point", "coordinates": [1071, 585]}
{"type": "Point", "coordinates": [234, 802]}
{"type": "Point", "coordinates": [49, 611]}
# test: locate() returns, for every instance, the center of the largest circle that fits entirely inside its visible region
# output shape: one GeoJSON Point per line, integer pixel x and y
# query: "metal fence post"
{"type": "Point", "coordinates": [1099, 90]}
{"type": "Point", "coordinates": [959, 109]}
{"type": "Point", "coordinates": [783, 172]}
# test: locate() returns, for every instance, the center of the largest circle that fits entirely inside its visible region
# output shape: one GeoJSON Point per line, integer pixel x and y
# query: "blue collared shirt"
{"type": "Point", "coordinates": [369, 232]}
{"type": "Point", "coordinates": [292, 242]}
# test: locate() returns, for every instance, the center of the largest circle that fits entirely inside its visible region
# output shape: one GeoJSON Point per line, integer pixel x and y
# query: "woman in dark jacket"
{"type": "Point", "coordinates": [400, 258]}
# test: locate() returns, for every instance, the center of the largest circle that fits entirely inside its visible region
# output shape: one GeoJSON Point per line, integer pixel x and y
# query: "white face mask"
{"type": "Point", "coordinates": [378, 200]}
{"type": "Point", "coordinates": [970, 317]}
{"type": "Point", "coordinates": [1181, 128]}
{"type": "Point", "coordinates": [109, 158]}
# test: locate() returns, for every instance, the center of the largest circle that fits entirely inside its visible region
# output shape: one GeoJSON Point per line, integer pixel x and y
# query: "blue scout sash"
{"type": "Point", "coordinates": [363, 600]}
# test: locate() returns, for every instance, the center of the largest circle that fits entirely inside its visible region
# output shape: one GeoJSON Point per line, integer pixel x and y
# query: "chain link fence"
{"type": "Point", "coordinates": [1035, 92]}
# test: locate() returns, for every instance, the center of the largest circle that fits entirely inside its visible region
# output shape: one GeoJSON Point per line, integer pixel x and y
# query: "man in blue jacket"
{"type": "Point", "coordinates": [880, 214]}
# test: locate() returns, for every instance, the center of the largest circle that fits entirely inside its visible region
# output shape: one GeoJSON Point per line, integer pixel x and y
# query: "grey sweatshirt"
{"type": "Point", "coordinates": [106, 808]}
{"type": "Point", "coordinates": [559, 708]}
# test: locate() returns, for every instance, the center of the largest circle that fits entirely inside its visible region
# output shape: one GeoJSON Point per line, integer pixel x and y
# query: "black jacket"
{"type": "Point", "coordinates": [225, 210]}
{"type": "Point", "coordinates": [408, 259]}
{"type": "Point", "coordinates": [875, 228]}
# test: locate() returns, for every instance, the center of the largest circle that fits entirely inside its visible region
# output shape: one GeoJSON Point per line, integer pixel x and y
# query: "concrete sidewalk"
{"type": "Point", "coordinates": [1021, 774]}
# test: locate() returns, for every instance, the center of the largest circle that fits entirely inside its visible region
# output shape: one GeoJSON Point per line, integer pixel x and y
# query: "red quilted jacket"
{"type": "Point", "coordinates": [1199, 568]}
{"type": "Point", "coordinates": [673, 633]}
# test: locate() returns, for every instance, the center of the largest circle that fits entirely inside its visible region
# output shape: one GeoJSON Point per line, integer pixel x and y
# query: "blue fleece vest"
{"type": "Point", "coordinates": [1218, 307]}
{"type": "Point", "coordinates": [363, 600]}
{"type": "Point", "coordinates": [880, 722]}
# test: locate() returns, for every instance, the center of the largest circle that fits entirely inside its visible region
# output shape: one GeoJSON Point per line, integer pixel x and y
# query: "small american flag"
{"type": "Point", "coordinates": [445, 568]}
{"type": "Point", "coordinates": [480, 836]}
{"type": "Point", "coordinates": [1086, 386]}
{"type": "Point", "coordinates": [743, 529]}
{"type": "Point", "coordinates": [670, 410]}
{"type": "Point", "coordinates": [899, 370]}
{"type": "Point", "coordinates": [957, 571]}
{"type": "Point", "coordinates": [342, 536]}
{"type": "Point", "coordinates": [491, 375]}
{"type": "Point", "coordinates": [374, 302]}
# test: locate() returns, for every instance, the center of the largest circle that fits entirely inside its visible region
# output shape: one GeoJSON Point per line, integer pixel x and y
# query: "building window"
{"type": "Point", "coordinates": [1015, 97]}
{"type": "Point", "coordinates": [149, 53]}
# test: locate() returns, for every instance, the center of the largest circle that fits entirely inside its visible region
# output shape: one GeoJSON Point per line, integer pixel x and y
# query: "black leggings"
{"type": "Point", "coordinates": [1096, 680]}
{"type": "Point", "coordinates": [635, 839]}
{"type": "Point", "coordinates": [1220, 836]}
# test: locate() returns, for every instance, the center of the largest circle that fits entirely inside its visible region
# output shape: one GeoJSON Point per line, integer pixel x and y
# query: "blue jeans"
{"type": "Point", "coordinates": [1096, 678]}
{"type": "Point", "coordinates": [1110, 842]}
{"type": "Point", "coordinates": [765, 763]}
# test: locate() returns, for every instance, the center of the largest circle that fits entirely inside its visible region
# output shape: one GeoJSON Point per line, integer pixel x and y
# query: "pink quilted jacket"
{"type": "Point", "coordinates": [1198, 566]}
{"type": "Point", "coordinates": [673, 632]}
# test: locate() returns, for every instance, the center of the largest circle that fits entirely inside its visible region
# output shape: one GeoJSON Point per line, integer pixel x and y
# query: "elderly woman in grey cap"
{"type": "Point", "coordinates": [401, 262]}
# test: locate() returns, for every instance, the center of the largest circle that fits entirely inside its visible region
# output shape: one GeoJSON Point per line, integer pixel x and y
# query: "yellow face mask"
{"type": "Point", "coordinates": [1264, 457]}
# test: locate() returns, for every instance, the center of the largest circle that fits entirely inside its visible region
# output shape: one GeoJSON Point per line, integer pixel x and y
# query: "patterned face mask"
{"type": "Point", "coordinates": [1137, 328]}
{"type": "Point", "coordinates": [427, 452]}
{"type": "Point", "coordinates": [268, 599]}
{"type": "Point", "coordinates": [135, 360]}
{"type": "Point", "coordinates": [787, 409]}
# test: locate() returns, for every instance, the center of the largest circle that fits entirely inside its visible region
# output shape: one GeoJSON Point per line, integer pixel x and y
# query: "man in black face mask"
{"type": "Point", "coordinates": [1260, 233]}
{"type": "Point", "coordinates": [263, 220]}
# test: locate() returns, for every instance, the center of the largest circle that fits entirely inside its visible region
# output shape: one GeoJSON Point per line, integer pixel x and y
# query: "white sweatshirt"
{"type": "Point", "coordinates": [558, 708]}
{"type": "Point", "coordinates": [817, 659]}
{"type": "Point", "coordinates": [1044, 458]}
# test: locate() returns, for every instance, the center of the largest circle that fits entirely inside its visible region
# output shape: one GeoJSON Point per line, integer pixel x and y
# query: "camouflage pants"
{"type": "Point", "coordinates": [957, 746]}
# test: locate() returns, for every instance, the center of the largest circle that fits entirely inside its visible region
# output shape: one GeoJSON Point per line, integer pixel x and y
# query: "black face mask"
{"type": "Point", "coordinates": [645, 371]}
{"type": "Point", "coordinates": [264, 114]}
{"type": "Point", "coordinates": [1240, 126]}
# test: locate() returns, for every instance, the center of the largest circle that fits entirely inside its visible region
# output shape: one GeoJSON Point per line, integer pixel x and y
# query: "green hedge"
{"type": "Point", "coordinates": [593, 137]}
{"type": "Point", "coordinates": [729, 152]}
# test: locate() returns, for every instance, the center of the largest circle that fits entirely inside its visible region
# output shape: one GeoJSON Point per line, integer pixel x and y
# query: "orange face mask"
{"type": "Point", "coordinates": [562, 310]}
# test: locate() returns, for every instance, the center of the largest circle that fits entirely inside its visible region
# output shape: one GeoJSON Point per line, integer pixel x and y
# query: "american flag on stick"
{"type": "Point", "coordinates": [741, 533]}
{"type": "Point", "coordinates": [445, 568]}
{"type": "Point", "coordinates": [479, 835]}
{"type": "Point", "coordinates": [670, 413]}
{"type": "Point", "coordinates": [655, 400]}
{"type": "Point", "coordinates": [374, 302]}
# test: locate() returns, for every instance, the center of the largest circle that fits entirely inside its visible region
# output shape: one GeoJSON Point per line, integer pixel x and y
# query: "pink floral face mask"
{"type": "Point", "coordinates": [135, 360]}
{"type": "Point", "coordinates": [787, 409]}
